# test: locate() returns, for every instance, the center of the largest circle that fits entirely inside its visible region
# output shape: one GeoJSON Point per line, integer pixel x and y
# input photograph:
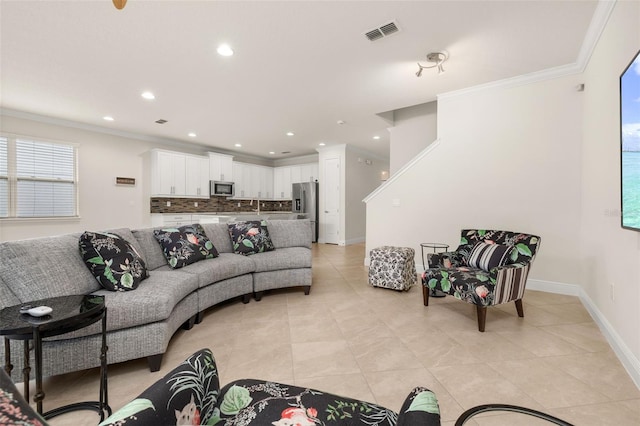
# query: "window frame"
{"type": "Point", "coordinates": [12, 179]}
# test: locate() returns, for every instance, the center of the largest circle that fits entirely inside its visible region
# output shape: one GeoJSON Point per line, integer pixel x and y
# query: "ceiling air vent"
{"type": "Point", "coordinates": [161, 121]}
{"type": "Point", "coordinates": [382, 31]}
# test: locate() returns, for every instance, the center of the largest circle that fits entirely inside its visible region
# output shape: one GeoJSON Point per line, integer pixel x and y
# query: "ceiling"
{"type": "Point", "coordinates": [299, 66]}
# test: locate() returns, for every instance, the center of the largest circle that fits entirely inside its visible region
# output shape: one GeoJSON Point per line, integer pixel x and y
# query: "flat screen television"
{"type": "Point", "coordinates": [630, 144]}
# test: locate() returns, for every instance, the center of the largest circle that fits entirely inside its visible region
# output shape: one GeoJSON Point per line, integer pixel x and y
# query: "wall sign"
{"type": "Point", "coordinates": [125, 181]}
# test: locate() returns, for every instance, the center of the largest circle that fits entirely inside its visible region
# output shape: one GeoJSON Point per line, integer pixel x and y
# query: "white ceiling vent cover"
{"type": "Point", "coordinates": [382, 31]}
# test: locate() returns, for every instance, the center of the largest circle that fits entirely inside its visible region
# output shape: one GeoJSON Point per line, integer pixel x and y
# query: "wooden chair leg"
{"type": "Point", "coordinates": [425, 295]}
{"type": "Point", "coordinates": [519, 308]}
{"type": "Point", "coordinates": [482, 317]}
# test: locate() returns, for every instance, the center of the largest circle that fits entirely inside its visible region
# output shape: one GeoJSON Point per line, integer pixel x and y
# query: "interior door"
{"type": "Point", "coordinates": [331, 225]}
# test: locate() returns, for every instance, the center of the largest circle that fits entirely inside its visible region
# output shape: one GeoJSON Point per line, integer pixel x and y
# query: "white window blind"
{"type": "Point", "coordinates": [4, 178]}
{"type": "Point", "coordinates": [37, 178]}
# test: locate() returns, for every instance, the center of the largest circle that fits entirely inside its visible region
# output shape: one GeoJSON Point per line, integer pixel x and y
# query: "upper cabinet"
{"type": "Point", "coordinates": [221, 167]}
{"type": "Point", "coordinates": [174, 174]}
{"type": "Point", "coordinates": [284, 176]}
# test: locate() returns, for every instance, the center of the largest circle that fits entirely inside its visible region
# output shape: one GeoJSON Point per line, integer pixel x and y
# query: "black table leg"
{"type": "Point", "coordinates": [26, 370]}
{"type": "Point", "coordinates": [37, 344]}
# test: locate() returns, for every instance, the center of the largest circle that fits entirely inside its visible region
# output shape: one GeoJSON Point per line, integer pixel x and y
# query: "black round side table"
{"type": "Point", "coordinates": [69, 313]}
{"type": "Point", "coordinates": [435, 247]}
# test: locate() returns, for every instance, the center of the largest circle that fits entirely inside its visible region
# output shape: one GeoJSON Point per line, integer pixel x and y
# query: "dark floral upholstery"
{"type": "Point", "coordinates": [250, 237]}
{"type": "Point", "coordinates": [112, 260]}
{"type": "Point", "coordinates": [449, 271]}
{"type": "Point", "coordinates": [185, 245]}
{"type": "Point", "coordinates": [190, 395]}
{"type": "Point", "coordinates": [14, 410]}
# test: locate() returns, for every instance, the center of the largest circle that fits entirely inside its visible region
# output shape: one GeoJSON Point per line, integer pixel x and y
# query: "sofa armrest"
{"type": "Point", "coordinates": [187, 395]}
{"type": "Point", "coordinates": [445, 259]}
{"type": "Point", "coordinates": [420, 408]}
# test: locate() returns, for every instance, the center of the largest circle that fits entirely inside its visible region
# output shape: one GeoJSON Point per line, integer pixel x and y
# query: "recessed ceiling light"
{"type": "Point", "coordinates": [376, 137]}
{"type": "Point", "coordinates": [192, 135]}
{"type": "Point", "coordinates": [107, 118]}
{"type": "Point", "coordinates": [290, 133]}
{"type": "Point", "coordinates": [238, 145]}
{"type": "Point", "coordinates": [271, 152]}
{"type": "Point", "coordinates": [148, 95]}
{"type": "Point", "coordinates": [225, 50]}
{"type": "Point", "coordinates": [322, 144]}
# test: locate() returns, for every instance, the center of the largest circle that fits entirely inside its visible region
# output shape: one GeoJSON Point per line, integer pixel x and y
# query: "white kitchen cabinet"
{"type": "Point", "coordinates": [282, 183]}
{"type": "Point", "coordinates": [168, 174]}
{"type": "Point", "coordinates": [162, 219]}
{"type": "Point", "coordinates": [308, 172]}
{"type": "Point", "coordinates": [221, 167]}
{"type": "Point", "coordinates": [175, 174]}
{"type": "Point", "coordinates": [266, 183]}
{"type": "Point", "coordinates": [241, 179]}
{"type": "Point", "coordinates": [197, 176]}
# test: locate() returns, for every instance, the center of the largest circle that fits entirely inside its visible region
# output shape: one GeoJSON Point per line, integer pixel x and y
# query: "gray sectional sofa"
{"type": "Point", "coordinates": [141, 322]}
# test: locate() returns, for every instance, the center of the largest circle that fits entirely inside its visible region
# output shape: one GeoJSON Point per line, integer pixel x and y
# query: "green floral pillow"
{"type": "Point", "coordinates": [112, 260]}
{"type": "Point", "coordinates": [185, 245]}
{"type": "Point", "coordinates": [250, 237]}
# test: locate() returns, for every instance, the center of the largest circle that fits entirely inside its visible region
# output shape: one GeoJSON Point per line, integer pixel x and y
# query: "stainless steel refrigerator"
{"type": "Point", "coordinates": [305, 201]}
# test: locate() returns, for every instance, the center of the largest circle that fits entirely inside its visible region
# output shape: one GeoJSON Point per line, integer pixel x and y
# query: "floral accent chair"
{"type": "Point", "coordinates": [191, 395]}
{"type": "Point", "coordinates": [488, 268]}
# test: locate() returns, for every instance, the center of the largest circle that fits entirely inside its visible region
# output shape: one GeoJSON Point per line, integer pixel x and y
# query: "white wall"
{"type": "Point", "coordinates": [362, 175]}
{"type": "Point", "coordinates": [414, 128]}
{"type": "Point", "coordinates": [507, 158]}
{"type": "Point", "coordinates": [102, 204]}
{"type": "Point", "coordinates": [610, 254]}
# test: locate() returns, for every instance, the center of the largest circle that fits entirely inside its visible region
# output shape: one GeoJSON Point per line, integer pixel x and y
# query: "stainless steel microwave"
{"type": "Point", "coordinates": [222, 189]}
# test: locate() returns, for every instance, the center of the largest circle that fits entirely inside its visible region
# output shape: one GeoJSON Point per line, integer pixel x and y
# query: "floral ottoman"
{"type": "Point", "coordinates": [392, 267]}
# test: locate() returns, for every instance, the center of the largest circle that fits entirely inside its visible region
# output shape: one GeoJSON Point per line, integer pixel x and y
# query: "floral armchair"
{"type": "Point", "coordinates": [488, 268]}
{"type": "Point", "coordinates": [191, 395]}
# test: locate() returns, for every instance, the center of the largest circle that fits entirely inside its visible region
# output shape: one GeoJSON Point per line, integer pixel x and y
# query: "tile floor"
{"type": "Point", "coordinates": [377, 344]}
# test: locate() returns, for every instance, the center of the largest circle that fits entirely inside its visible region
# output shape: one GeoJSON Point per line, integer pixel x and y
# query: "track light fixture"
{"type": "Point", "coordinates": [438, 58]}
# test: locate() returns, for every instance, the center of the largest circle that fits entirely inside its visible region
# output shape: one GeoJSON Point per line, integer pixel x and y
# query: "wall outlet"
{"type": "Point", "coordinates": [168, 203]}
{"type": "Point", "coordinates": [195, 204]}
{"type": "Point", "coordinates": [612, 292]}
{"type": "Point", "coordinates": [239, 204]}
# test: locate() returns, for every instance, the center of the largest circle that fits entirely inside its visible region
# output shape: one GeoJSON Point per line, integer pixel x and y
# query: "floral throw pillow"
{"type": "Point", "coordinates": [112, 260]}
{"type": "Point", "coordinates": [250, 237]}
{"type": "Point", "coordinates": [487, 256]}
{"type": "Point", "coordinates": [185, 245]}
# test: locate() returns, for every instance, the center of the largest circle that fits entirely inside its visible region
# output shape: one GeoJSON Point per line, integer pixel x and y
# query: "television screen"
{"type": "Point", "coordinates": [630, 144]}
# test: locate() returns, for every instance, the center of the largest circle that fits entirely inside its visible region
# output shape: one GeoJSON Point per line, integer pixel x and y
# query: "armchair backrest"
{"type": "Point", "coordinates": [526, 244]}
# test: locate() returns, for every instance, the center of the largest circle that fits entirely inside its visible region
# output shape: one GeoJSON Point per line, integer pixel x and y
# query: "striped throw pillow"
{"type": "Point", "coordinates": [487, 256]}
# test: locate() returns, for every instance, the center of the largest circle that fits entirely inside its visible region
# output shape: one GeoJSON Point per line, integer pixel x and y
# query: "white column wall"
{"type": "Point", "coordinates": [610, 254]}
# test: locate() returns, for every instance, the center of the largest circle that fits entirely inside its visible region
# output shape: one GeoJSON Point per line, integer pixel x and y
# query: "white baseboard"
{"type": "Point", "coordinates": [352, 241]}
{"type": "Point", "coordinates": [554, 287]}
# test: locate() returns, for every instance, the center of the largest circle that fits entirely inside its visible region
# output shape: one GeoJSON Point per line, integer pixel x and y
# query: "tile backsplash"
{"type": "Point", "coordinates": [215, 205]}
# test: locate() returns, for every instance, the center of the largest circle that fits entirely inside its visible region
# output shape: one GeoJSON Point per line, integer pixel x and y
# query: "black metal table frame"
{"type": "Point", "coordinates": [434, 246]}
{"type": "Point", "coordinates": [75, 323]}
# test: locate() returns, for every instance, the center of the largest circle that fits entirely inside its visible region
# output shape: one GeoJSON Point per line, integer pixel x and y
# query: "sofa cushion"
{"type": "Point", "coordinates": [185, 245]}
{"type": "Point", "coordinates": [290, 233]}
{"type": "Point", "coordinates": [285, 258]}
{"type": "Point", "coordinates": [114, 262]}
{"type": "Point", "coordinates": [218, 233]}
{"type": "Point", "coordinates": [45, 267]}
{"type": "Point", "coordinates": [250, 237]}
{"type": "Point", "coordinates": [487, 256]}
{"type": "Point", "coordinates": [226, 265]}
{"type": "Point", "coordinates": [154, 300]}
{"type": "Point", "coordinates": [150, 250]}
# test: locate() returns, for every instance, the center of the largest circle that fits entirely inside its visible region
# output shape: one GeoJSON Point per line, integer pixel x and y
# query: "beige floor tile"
{"type": "Point", "coordinates": [383, 355]}
{"type": "Point", "coordinates": [307, 329]}
{"type": "Point", "coordinates": [600, 370]}
{"type": "Point", "coordinates": [586, 335]}
{"type": "Point", "coordinates": [317, 359]}
{"type": "Point", "coordinates": [477, 384]}
{"type": "Point", "coordinates": [603, 414]}
{"type": "Point", "coordinates": [349, 385]}
{"type": "Point", "coordinates": [548, 385]}
{"type": "Point", "coordinates": [540, 343]}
